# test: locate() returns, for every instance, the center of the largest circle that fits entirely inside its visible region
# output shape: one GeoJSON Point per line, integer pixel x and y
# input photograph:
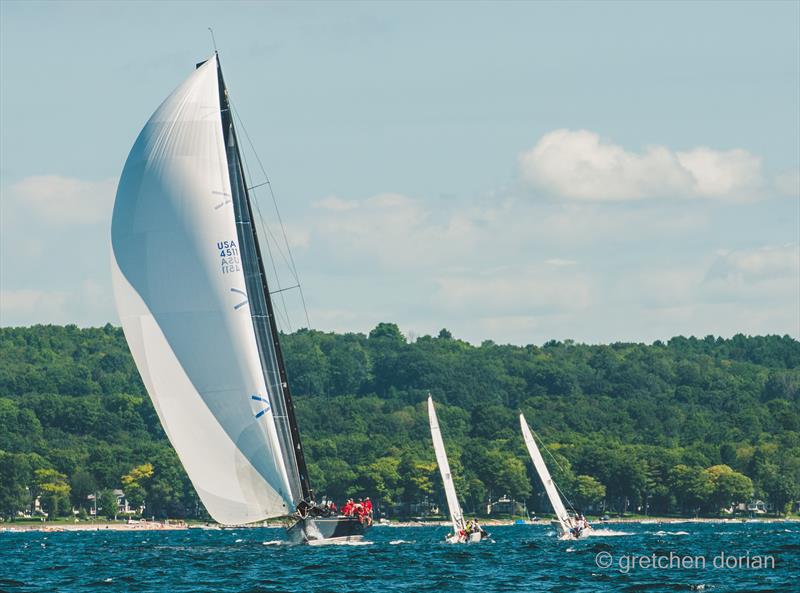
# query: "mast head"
{"type": "Point", "coordinates": [213, 41]}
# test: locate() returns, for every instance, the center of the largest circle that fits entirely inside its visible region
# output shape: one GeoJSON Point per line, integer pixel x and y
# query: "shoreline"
{"type": "Point", "coordinates": [180, 525]}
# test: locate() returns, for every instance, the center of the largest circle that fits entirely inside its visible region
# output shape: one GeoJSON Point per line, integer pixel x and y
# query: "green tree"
{"type": "Point", "coordinates": [692, 486]}
{"type": "Point", "coordinates": [729, 487]}
{"type": "Point", "coordinates": [417, 478]}
{"type": "Point", "coordinates": [52, 488]}
{"type": "Point", "coordinates": [82, 484]}
{"type": "Point", "coordinates": [135, 483]}
{"type": "Point", "coordinates": [381, 479]}
{"type": "Point", "coordinates": [587, 491]}
{"type": "Point", "coordinates": [16, 472]}
{"type": "Point", "coordinates": [107, 504]}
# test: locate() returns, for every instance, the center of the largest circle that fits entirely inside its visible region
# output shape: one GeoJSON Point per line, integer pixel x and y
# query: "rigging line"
{"type": "Point", "coordinates": [269, 251]}
{"type": "Point", "coordinates": [268, 182]}
{"type": "Point", "coordinates": [284, 309]}
{"type": "Point", "coordinates": [284, 289]}
{"type": "Point", "coordinates": [265, 227]}
{"type": "Point", "coordinates": [213, 41]}
{"type": "Point", "coordinates": [268, 230]}
{"type": "Point", "coordinates": [558, 465]}
{"type": "Point", "coordinates": [277, 211]}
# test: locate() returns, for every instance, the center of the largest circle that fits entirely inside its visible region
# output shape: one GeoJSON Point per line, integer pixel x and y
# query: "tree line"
{"type": "Point", "coordinates": [688, 426]}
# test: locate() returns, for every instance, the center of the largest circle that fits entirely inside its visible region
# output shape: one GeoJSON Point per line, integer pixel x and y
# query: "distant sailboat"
{"type": "Point", "coordinates": [192, 295]}
{"type": "Point", "coordinates": [460, 532]}
{"type": "Point", "coordinates": [568, 523]}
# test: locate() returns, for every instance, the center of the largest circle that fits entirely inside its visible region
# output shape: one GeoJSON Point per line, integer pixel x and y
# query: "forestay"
{"type": "Point", "coordinates": [456, 516]}
{"type": "Point", "coordinates": [182, 299]}
{"type": "Point", "coordinates": [544, 474]}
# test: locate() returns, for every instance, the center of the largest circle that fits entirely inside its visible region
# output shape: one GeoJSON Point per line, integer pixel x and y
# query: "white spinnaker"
{"type": "Point", "coordinates": [456, 516]}
{"type": "Point", "coordinates": [180, 295]}
{"type": "Point", "coordinates": [544, 474]}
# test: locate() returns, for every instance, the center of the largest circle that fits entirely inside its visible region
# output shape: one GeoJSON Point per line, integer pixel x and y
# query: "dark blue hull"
{"type": "Point", "coordinates": [322, 530]}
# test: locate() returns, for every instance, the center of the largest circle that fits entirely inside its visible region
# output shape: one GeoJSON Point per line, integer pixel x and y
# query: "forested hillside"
{"type": "Point", "coordinates": [691, 425]}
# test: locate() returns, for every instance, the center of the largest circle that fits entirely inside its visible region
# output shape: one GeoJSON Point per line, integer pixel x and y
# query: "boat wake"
{"type": "Point", "coordinates": [607, 533]}
{"type": "Point", "coordinates": [595, 533]}
{"type": "Point", "coordinates": [274, 542]}
{"type": "Point", "coordinates": [333, 542]}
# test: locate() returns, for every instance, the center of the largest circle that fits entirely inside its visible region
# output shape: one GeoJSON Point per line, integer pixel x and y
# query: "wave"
{"type": "Point", "coordinates": [396, 542]}
{"type": "Point", "coordinates": [671, 533]}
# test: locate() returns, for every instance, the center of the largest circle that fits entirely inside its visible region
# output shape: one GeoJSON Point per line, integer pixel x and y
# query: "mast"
{"type": "Point", "coordinates": [264, 322]}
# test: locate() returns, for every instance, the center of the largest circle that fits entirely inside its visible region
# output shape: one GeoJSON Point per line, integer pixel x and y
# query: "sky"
{"type": "Point", "coordinates": [515, 172]}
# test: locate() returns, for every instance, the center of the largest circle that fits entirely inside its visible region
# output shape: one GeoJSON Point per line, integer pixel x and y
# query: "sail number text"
{"type": "Point", "coordinates": [229, 256]}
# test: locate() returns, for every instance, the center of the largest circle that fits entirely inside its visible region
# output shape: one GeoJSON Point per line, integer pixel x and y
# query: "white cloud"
{"type": "Point", "coordinates": [334, 203]}
{"type": "Point", "coordinates": [386, 226]}
{"type": "Point", "coordinates": [560, 262]}
{"type": "Point", "coordinates": [16, 304]}
{"type": "Point", "coordinates": [296, 236]}
{"type": "Point", "coordinates": [757, 265]}
{"type": "Point", "coordinates": [64, 200]}
{"type": "Point", "coordinates": [579, 165]}
{"type": "Point", "coordinates": [537, 290]}
{"type": "Point", "coordinates": [715, 174]}
{"type": "Point", "coordinates": [80, 303]}
{"type": "Point", "coordinates": [788, 183]}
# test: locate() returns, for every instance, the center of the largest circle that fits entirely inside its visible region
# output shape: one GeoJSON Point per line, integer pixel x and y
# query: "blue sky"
{"type": "Point", "coordinates": [511, 171]}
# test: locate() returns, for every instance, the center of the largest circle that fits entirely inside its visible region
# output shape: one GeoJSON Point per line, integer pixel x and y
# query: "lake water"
{"type": "Point", "coordinates": [521, 558]}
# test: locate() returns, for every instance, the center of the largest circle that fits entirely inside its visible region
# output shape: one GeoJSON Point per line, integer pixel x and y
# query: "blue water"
{"type": "Point", "coordinates": [521, 558]}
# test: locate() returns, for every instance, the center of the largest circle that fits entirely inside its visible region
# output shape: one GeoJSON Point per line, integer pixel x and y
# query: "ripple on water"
{"type": "Point", "coordinates": [407, 560]}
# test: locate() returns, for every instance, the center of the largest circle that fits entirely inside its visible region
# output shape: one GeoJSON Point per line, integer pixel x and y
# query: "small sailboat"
{"type": "Point", "coordinates": [192, 295]}
{"type": "Point", "coordinates": [462, 533]}
{"type": "Point", "coordinates": [569, 523]}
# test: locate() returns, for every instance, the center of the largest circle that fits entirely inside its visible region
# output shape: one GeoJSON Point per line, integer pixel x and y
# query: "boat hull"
{"type": "Point", "coordinates": [317, 531]}
{"type": "Point", "coordinates": [472, 538]}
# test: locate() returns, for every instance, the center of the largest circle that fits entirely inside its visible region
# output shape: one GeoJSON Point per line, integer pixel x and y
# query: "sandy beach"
{"type": "Point", "coordinates": [180, 525]}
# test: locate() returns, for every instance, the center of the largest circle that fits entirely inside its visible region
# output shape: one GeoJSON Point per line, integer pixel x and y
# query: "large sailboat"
{"type": "Point", "coordinates": [192, 295]}
{"type": "Point", "coordinates": [462, 532]}
{"type": "Point", "coordinates": [569, 524]}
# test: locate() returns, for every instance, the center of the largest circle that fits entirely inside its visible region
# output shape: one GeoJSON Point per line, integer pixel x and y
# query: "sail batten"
{"type": "Point", "coordinates": [456, 515]}
{"type": "Point", "coordinates": [185, 306]}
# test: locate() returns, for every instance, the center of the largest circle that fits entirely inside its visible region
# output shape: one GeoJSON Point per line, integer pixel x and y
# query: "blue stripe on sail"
{"type": "Point", "coordinates": [261, 413]}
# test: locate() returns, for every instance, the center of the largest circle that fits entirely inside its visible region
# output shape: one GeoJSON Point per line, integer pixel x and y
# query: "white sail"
{"type": "Point", "coordinates": [456, 516]}
{"type": "Point", "coordinates": [544, 474]}
{"type": "Point", "coordinates": [181, 297]}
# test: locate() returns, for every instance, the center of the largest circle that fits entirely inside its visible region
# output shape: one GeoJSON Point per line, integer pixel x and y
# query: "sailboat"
{"type": "Point", "coordinates": [192, 295]}
{"type": "Point", "coordinates": [569, 524]}
{"type": "Point", "coordinates": [460, 533]}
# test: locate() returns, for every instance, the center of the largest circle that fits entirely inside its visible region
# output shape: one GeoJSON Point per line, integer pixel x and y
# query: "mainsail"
{"type": "Point", "coordinates": [194, 305]}
{"type": "Point", "coordinates": [550, 488]}
{"type": "Point", "coordinates": [456, 516]}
